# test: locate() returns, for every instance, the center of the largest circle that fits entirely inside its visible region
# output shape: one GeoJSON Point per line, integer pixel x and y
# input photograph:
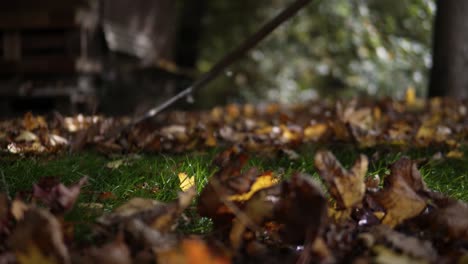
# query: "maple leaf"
{"type": "Point", "coordinates": [400, 197]}
{"type": "Point", "coordinates": [347, 187]}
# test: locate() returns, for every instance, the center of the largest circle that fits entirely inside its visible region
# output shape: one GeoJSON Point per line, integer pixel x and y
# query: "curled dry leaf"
{"type": "Point", "coordinates": [347, 187]}
{"type": "Point", "coordinates": [293, 213]}
{"type": "Point", "coordinates": [400, 197]}
{"type": "Point", "coordinates": [408, 245]}
{"type": "Point", "coordinates": [56, 195]}
{"type": "Point", "coordinates": [31, 122]}
{"type": "Point", "coordinates": [159, 216]}
{"type": "Point", "coordinates": [228, 181]}
{"type": "Point", "coordinates": [115, 252]}
{"type": "Point", "coordinates": [302, 208]}
{"type": "Point", "coordinates": [450, 218]}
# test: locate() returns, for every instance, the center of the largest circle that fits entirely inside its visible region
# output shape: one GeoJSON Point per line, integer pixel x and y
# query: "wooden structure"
{"type": "Point", "coordinates": [41, 47]}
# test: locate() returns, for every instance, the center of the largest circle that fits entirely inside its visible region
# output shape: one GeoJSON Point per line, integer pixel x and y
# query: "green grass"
{"type": "Point", "coordinates": [155, 176]}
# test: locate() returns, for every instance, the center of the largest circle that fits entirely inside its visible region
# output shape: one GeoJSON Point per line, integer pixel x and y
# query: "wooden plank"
{"type": "Point", "coordinates": [37, 20]}
{"type": "Point", "coordinates": [44, 41]}
{"type": "Point", "coordinates": [31, 5]}
{"type": "Point", "coordinates": [12, 46]}
{"type": "Point", "coordinates": [39, 65]}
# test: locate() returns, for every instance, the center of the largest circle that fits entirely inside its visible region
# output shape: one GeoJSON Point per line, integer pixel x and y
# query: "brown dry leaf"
{"type": "Point", "coordinates": [302, 210]}
{"type": "Point", "coordinates": [227, 181]}
{"type": "Point", "coordinates": [405, 169]}
{"type": "Point", "coordinates": [56, 195]}
{"type": "Point", "coordinates": [159, 216]}
{"type": "Point", "coordinates": [400, 196]}
{"type": "Point", "coordinates": [258, 210]}
{"type": "Point", "coordinates": [39, 237]}
{"type": "Point", "coordinates": [116, 252]}
{"type": "Point", "coordinates": [4, 207]}
{"type": "Point", "coordinates": [450, 217]}
{"type": "Point", "coordinates": [346, 186]}
{"type": "Point", "coordinates": [384, 255]}
{"type": "Point", "coordinates": [31, 122]}
{"type": "Point", "coordinates": [5, 215]}
{"type": "Point", "coordinates": [408, 245]}
{"type": "Point", "coordinates": [296, 209]}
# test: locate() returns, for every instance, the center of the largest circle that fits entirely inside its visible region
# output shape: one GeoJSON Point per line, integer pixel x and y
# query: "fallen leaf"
{"type": "Point", "coordinates": [449, 218]}
{"type": "Point", "coordinates": [58, 197]}
{"type": "Point", "coordinates": [115, 164]}
{"type": "Point", "coordinates": [455, 154]}
{"type": "Point", "coordinates": [18, 208]}
{"type": "Point", "coordinates": [346, 187]}
{"type": "Point", "coordinates": [39, 237]}
{"type": "Point", "coordinates": [186, 182]}
{"type": "Point", "coordinates": [399, 196]}
{"type": "Point", "coordinates": [115, 252]}
{"type": "Point", "coordinates": [26, 136]}
{"type": "Point", "coordinates": [262, 182]}
{"type": "Point", "coordinates": [192, 251]}
{"type": "Point", "coordinates": [34, 255]}
{"type": "Point", "coordinates": [386, 255]}
{"type": "Point", "coordinates": [157, 215]}
{"type": "Point", "coordinates": [31, 122]}
{"type": "Point", "coordinates": [315, 132]}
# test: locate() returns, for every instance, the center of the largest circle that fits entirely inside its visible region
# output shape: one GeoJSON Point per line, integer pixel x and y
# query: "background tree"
{"type": "Point", "coordinates": [331, 48]}
{"type": "Point", "coordinates": [449, 75]}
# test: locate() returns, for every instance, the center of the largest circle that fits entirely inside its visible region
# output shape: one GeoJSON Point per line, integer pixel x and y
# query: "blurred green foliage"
{"type": "Point", "coordinates": [333, 48]}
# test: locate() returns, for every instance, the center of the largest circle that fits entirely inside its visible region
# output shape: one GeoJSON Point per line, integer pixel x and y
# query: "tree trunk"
{"type": "Point", "coordinates": [449, 75]}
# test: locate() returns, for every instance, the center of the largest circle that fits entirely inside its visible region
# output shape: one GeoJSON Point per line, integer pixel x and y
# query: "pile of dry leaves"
{"type": "Point", "coordinates": [267, 128]}
{"type": "Point", "coordinates": [257, 218]}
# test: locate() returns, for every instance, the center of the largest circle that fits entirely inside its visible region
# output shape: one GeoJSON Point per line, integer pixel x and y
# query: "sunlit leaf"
{"type": "Point", "coordinates": [455, 154]}
{"type": "Point", "coordinates": [262, 182]}
{"type": "Point", "coordinates": [186, 182]}
{"type": "Point", "coordinates": [346, 186]}
{"type": "Point", "coordinates": [34, 255]}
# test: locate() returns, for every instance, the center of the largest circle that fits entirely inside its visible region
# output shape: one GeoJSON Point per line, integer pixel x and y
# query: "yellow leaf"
{"type": "Point", "coordinates": [410, 97]}
{"type": "Point", "coordinates": [262, 182]}
{"type": "Point", "coordinates": [34, 255]}
{"type": "Point", "coordinates": [186, 182]}
{"type": "Point", "coordinates": [455, 154]}
{"type": "Point", "coordinates": [26, 136]}
{"type": "Point", "coordinates": [411, 100]}
{"type": "Point", "coordinates": [315, 132]}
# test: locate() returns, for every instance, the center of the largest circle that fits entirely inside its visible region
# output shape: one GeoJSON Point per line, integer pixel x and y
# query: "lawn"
{"type": "Point", "coordinates": [116, 179]}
